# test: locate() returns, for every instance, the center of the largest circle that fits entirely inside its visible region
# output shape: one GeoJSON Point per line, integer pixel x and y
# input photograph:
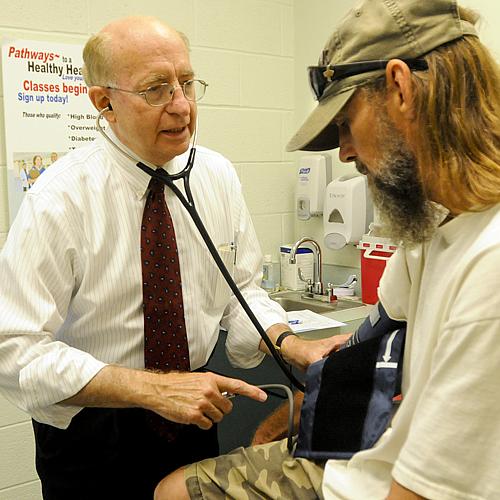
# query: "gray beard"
{"type": "Point", "coordinates": [407, 216]}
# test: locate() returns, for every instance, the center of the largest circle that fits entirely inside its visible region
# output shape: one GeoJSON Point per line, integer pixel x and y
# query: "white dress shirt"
{"type": "Point", "coordinates": [71, 275]}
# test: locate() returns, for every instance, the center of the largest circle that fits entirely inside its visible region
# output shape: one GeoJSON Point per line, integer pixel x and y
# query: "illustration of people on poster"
{"type": "Point", "coordinates": [28, 166]}
{"type": "Point", "coordinates": [47, 110]}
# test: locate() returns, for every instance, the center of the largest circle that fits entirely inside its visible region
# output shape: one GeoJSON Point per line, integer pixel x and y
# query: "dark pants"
{"type": "Point", "coordinates": [113, 454]}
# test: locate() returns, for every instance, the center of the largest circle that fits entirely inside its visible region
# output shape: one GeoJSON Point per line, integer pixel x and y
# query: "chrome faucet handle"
{"type": "Point", "coordinates": [309, 282]}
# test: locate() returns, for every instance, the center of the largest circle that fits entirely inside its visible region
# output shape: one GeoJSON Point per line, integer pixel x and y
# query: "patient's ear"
{"type": "Point", "coordinates": [399, 91]}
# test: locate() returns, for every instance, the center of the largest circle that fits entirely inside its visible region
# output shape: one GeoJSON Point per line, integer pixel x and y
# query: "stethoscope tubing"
{"type": "Point", "coordinates": [189, 205]}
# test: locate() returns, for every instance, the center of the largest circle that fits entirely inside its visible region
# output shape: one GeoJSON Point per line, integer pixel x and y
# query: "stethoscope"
{"type": "Point", "coordinates": [188, 203]}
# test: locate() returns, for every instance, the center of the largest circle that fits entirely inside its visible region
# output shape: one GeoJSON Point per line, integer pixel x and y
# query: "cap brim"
{"type": "Point", "coordinates": [318, 133]}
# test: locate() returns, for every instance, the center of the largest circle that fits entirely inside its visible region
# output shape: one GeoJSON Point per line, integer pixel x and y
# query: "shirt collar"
{"type": "Point", "coordinates": [137, 178]}
{"type": "Point", "coordinates": [464, 223]}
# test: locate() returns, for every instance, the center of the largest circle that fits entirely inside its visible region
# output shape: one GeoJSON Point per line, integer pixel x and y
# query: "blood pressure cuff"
{"type": "Point", "coordinates": [348, 400]}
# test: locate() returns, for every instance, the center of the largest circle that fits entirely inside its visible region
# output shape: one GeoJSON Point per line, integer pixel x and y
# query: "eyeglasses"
{"type": "Point", "coordinates": [320, 77]}
{"type": "Point", "coordinates": [159, 95]}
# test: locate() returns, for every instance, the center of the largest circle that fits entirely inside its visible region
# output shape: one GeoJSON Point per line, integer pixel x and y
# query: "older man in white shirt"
{"type": "Point", "coordinates": [72, 327]}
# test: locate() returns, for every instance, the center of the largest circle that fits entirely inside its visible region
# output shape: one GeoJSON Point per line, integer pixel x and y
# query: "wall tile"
{"type": "Point", "coordinates": [240, 134]}
{"type": "Point", "coordinates": [49, 15]}
{"type": "Point", "coordinates": [288, 228]}
{"type": "Point", "coordinates": [269, 234]}
{"type": "Point", "coordinates": [10, 414]}
{"type": "Point", "coordinates": [288, 130]}
{"type": "Point", "coordinates": [348, 256]}
{"type": "Point", "coordinates": [267, 82]}
{"type": "Point", "coordinates": [221, 70]}
{"type": "Point", "coordinates": [238, 167]}
{"type": "Point", "coordinates": [177, 13]}
{"type": "Point", "coordinates": [27, 491]}
{"type": "Point", "coordinates": [16, 459]}
{"type": "Point", "coordinates": [268, 187]}
{"type": "Point", "coordinates": [287, 31]}
{"type": "Point", "coordinates": [246, 25]}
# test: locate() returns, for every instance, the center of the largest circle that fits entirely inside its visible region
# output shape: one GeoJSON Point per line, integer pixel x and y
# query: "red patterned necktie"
{"type": "Point", "coordinates": [165, 339]}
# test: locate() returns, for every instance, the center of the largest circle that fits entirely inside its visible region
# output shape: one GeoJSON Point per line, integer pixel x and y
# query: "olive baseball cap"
{"type": "Point", "coordinates": [373, 32]}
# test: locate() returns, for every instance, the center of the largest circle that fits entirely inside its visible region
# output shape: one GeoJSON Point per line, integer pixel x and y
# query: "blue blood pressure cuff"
{"type": "Point", "coordinates": [348, 400]}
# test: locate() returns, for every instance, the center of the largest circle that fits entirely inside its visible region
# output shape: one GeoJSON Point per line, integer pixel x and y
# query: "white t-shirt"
{"type": "Point", "coordinates": [445, 438]}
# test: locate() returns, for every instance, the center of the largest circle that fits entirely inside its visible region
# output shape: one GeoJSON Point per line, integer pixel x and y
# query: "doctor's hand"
{"type": "Point", "coordinates": [301, 353]}
{"type": "Point", "coordinates": [195, 398]}
{"type": "Point", "coordinates": [183, 397]}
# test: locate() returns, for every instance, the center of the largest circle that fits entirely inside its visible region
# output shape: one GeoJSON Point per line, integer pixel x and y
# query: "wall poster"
{"type": "Point", "coordinates": [47, 110]}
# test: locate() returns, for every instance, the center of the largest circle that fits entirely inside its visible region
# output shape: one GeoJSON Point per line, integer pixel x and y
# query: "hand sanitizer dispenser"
{"type": "Point", "coordinates": [348, 211]}
{"type": "Point", "coordinates": [315, 172]}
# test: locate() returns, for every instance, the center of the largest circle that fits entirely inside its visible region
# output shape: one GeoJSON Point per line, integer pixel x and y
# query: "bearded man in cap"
{"type": "Point", "coordinates": [407, 91]}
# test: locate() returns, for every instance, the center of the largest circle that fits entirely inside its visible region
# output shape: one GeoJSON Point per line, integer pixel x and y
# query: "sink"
{"type": "Point", "coordinates": [292, 301]}
{"type": "Point", "coordinates": [297, 305]}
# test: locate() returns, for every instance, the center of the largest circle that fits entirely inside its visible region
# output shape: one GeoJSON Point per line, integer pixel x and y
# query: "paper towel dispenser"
{"type": "Point", "coordinates": [347, 210]}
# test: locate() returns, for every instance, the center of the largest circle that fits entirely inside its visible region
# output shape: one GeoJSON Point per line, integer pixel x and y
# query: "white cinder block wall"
{"type": "Point", "coordinates": [254, 54]}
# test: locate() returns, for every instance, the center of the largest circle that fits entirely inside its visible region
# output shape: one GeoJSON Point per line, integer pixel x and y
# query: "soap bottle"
{"type": "Point", "coordinates": [267, 274]}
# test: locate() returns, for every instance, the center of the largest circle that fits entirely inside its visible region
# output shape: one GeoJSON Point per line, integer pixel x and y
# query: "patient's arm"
{"type": "Point", "coordinates": [275, 426]}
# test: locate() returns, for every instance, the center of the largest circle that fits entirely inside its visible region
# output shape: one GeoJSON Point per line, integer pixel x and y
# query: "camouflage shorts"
{"type": "Point", "coordinates": [258, 472]}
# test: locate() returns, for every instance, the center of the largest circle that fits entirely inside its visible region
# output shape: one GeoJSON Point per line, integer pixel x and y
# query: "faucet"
{"type": "Point", "coordinates": [317, 285]}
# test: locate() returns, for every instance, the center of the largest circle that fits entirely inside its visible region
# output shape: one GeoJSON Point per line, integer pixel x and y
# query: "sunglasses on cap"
{"type": "Point", "coordinates": [320, 77]}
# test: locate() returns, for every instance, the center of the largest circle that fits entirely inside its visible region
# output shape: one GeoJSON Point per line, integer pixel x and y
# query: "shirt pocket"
{"type": "Point", "coordinates": [227, 252]}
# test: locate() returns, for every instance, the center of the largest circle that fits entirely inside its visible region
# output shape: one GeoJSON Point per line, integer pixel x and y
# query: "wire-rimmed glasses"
{"type": "Point", "coordinates": [161, 94]}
